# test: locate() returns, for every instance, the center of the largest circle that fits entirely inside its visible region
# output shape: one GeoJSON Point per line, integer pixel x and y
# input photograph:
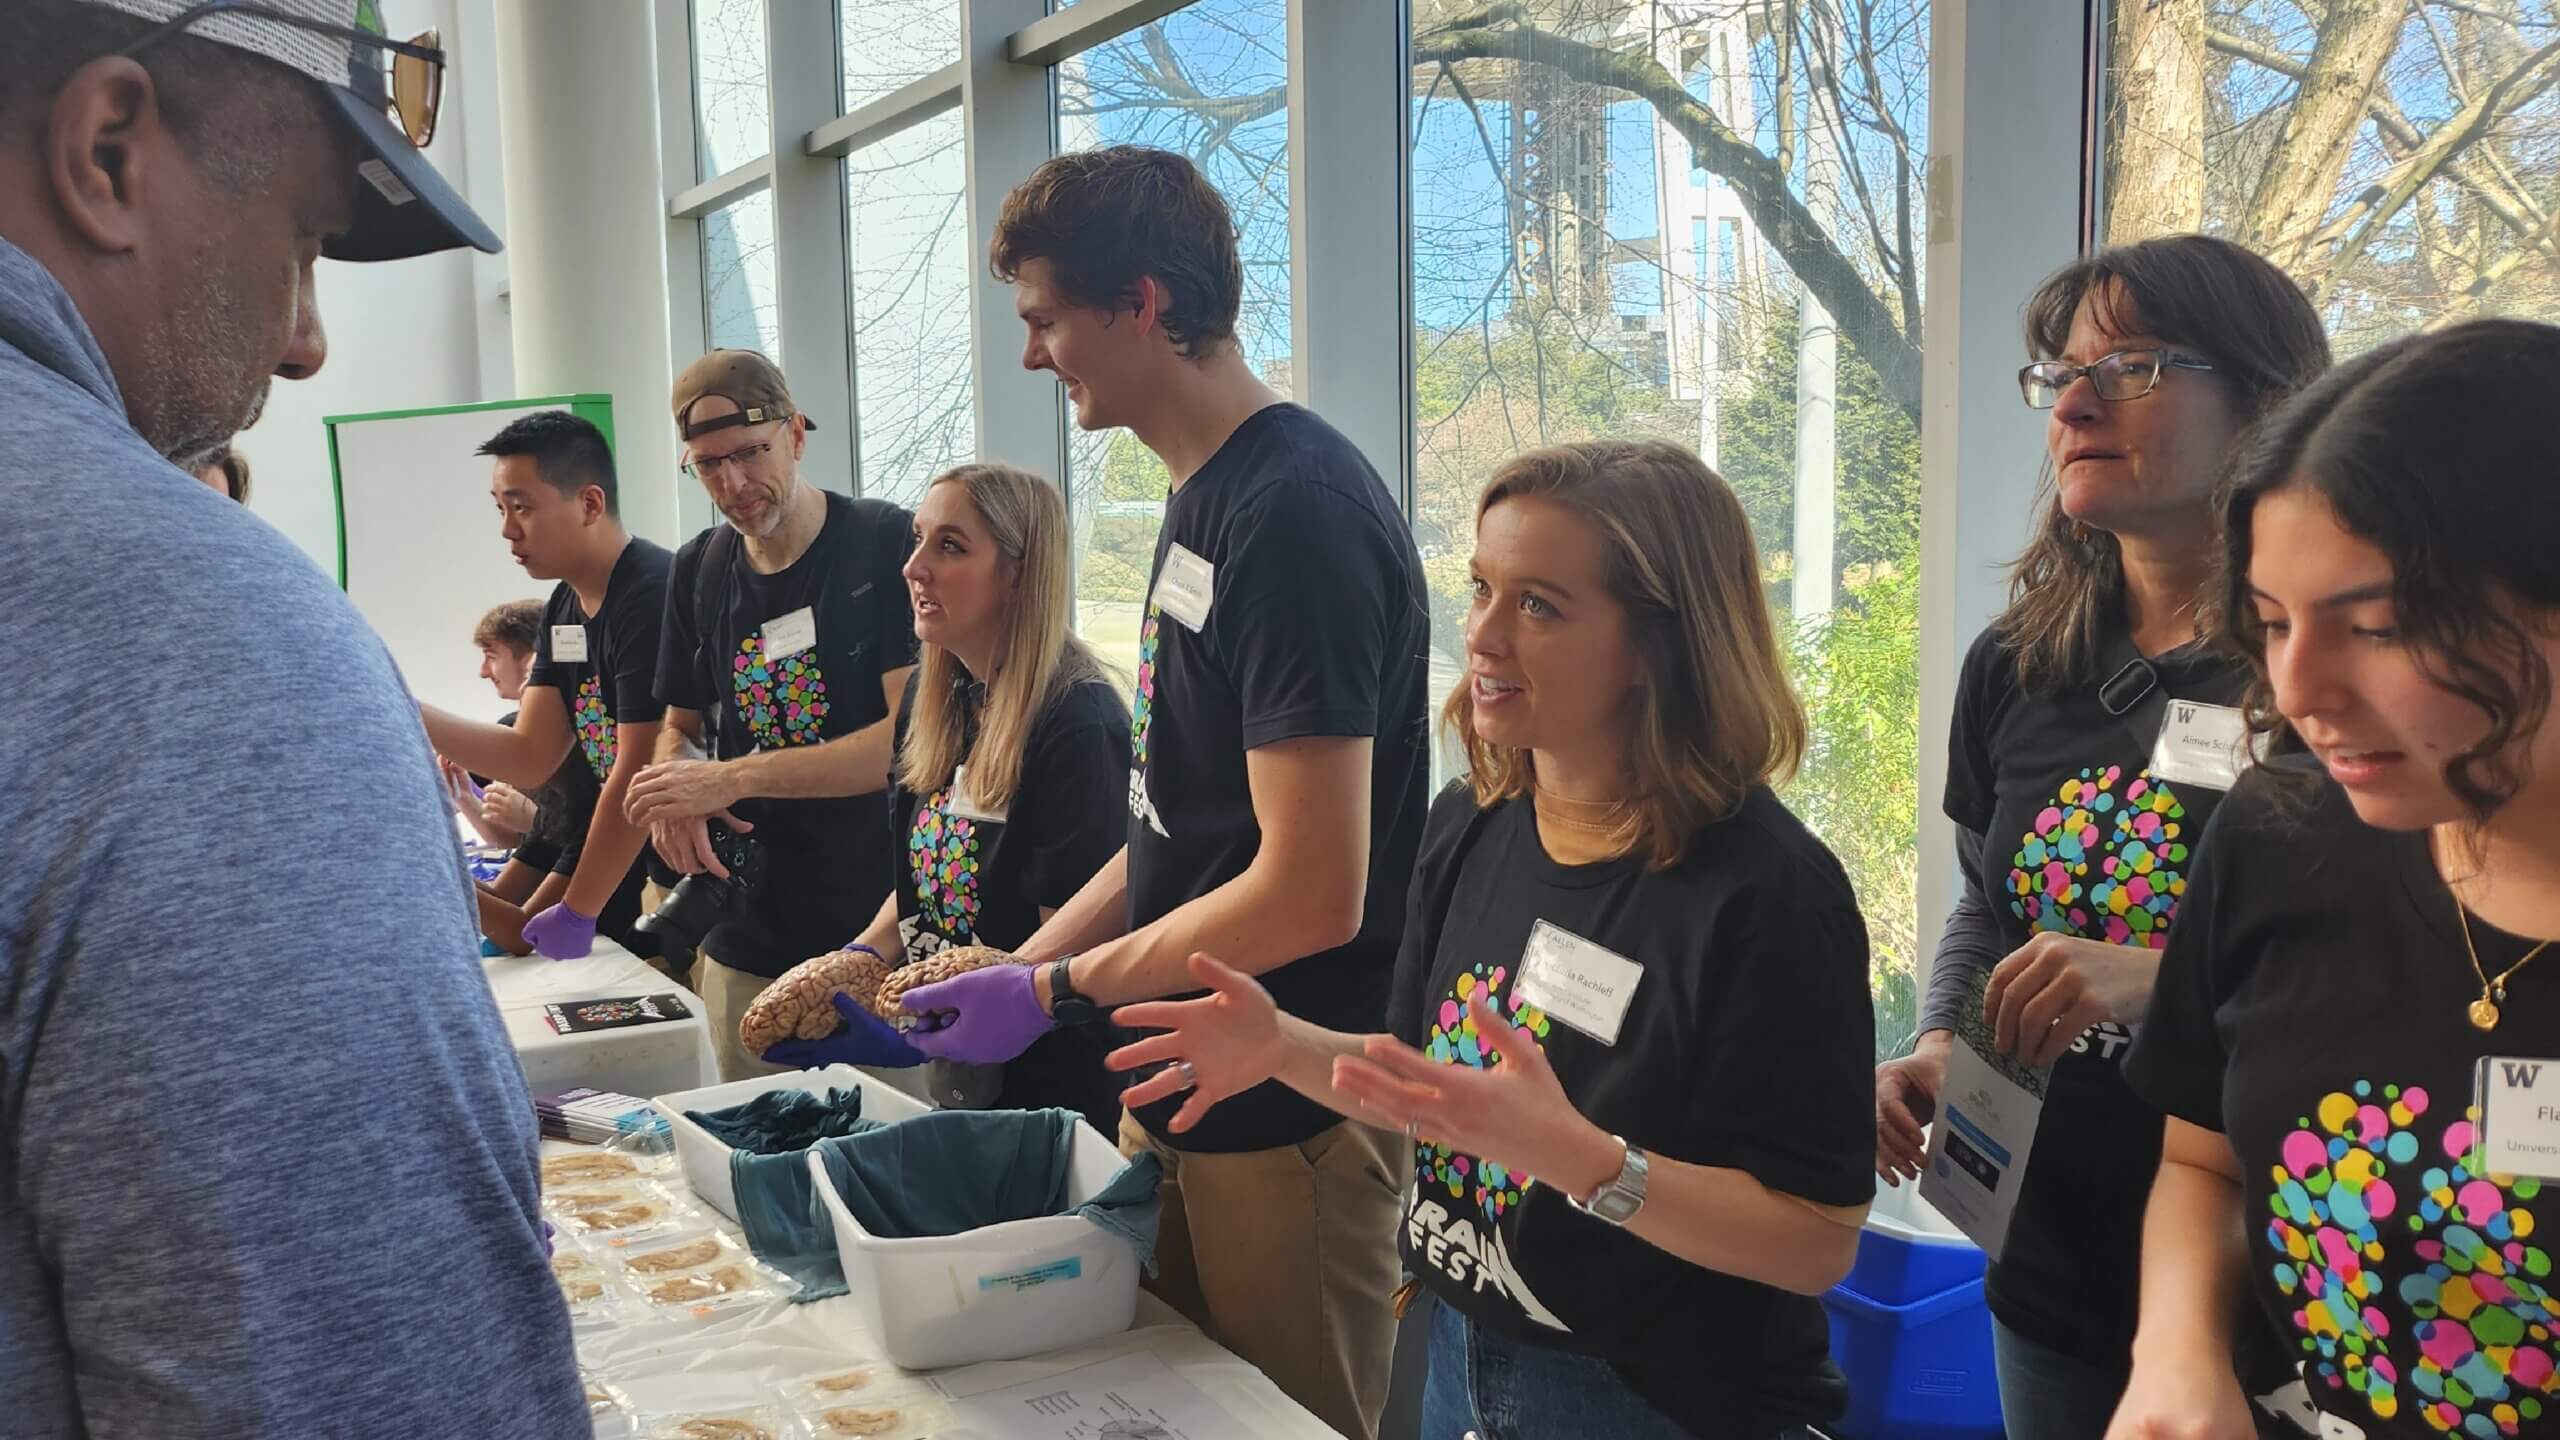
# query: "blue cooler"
{"type": "Point", "coordinates": [1909, 1329]}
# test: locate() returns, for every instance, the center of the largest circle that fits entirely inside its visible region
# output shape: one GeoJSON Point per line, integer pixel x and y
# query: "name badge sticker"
{"type": "Point", "coordinates": [569, 644]}
{"type": "Point", "coordinates": [1185, 587]}
{"type": "Point", "coordinates": [964, 801]}
{"type": "Point", "coordinates": [790, 634]}
{"type": "Point", "coordinates": [1582, 984]}
{"type": "Point", "coordinates": [2201, 745]}
{"type": "Point", "coordinates": [2519, 1100]}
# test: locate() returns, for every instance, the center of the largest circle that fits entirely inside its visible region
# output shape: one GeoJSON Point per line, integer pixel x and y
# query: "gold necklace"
{"type": "Point", "coordinates": [2493, 993]}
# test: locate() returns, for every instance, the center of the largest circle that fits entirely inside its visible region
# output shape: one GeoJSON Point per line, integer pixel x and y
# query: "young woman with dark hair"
{"type": "Point", "coordinates": [2073, 781]}
{"type": "Point", "coordinates": [2367, 945]}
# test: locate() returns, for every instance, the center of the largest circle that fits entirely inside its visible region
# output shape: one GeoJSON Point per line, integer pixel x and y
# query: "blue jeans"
{"type": "Point", "coordinates": [1495, 1388]}
{"type": "Point", "coordinates": [2046, 1394]}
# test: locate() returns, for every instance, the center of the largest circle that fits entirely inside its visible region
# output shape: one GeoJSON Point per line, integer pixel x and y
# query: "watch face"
{"type": "Point", "coordinates": [1616, 1206]}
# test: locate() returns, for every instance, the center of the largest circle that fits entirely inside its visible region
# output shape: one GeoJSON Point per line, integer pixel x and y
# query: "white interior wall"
{"type": "Point", "coordinates": [406, 334]}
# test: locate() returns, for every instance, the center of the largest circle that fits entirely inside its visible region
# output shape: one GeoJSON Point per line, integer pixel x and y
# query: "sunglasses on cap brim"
{"type": "Point", "coordinates": [411, 74]}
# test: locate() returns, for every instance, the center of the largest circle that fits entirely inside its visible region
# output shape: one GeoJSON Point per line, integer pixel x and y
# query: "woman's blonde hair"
{"type": "Point", "coordinates": [1716, 715]}
{"type": "Point", "coordinates": [1040, 657]}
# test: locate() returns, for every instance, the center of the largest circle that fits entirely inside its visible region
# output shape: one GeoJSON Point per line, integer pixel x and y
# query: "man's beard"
{"type": "Point", "coordinates": [197, 360]}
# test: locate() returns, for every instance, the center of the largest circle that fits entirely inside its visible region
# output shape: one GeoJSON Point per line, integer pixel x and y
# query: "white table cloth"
{"type": "Point", "coordinates": [640, 1060]}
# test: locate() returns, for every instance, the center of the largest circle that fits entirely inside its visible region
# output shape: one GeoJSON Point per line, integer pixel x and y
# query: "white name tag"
{"type": "Point", "coordinates": [1577, 982]}
{"type": "Point", "coordinates": [2519, 1116]}
{"type": "Point", "coordinates": [569, 644]}
{"type": "Point", "coordinates": [964, 803]}
{"type": "Point", "coordinates": [1185, 587]}
{"type": "Point", "coordinates": [790, 634]}
{"type": "Point", "coordinates": [2201, 745]}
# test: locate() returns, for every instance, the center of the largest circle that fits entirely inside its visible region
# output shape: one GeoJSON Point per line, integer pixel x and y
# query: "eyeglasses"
{"type": "Point", "coordinates": [412, 69]}
{"type": "Point", "coordinates": [710, 466]}
{"type": "Point", "coordinates": [2125, 375]}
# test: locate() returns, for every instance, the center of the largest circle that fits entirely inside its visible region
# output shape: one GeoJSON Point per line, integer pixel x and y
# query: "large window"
{"type": "Point", "coordinates": [911, 268]}
{"type": "Point", "coordinates": [1590, 262]}
{"type": "Point", "coordinates": [732, 105]}
{"type": "Point", "coordinates": [1211, 81]}
{"type": "Point", "coordinates": [2399, 160]}
{"type": "Point", "coordinates": [738, 273]}
{"type": "Point", "coordinates": [891, 43]}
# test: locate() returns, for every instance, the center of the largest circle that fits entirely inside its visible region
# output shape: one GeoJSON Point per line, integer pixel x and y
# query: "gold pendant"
{"type": "Point", "coordinates": [2484, 1014]}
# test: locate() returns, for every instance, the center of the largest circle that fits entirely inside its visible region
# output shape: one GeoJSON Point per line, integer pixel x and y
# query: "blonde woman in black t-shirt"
{"type": "Point", "coordinates": [1012, 757]}
{"type": "Point", "coordinates": [2370, 944]}
{"type": "Point", "coordinates": [1628, 1033]}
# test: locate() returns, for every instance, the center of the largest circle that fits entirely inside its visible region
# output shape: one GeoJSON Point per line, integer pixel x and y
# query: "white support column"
{"type": "Point", "coordinates": [1349, 328]}
{"type": "Point", "coordinates": [580, 126]}
{"type": "Point", "coordinates": [2002, 213]}
{"type": "Point", "coordinates": [687, 327]}
{"type": "Point", "coordinates": [810, 279]}
{"type": "Point", "coordinates": [1006, 115]}
{"type": "Point", "coordinates": [1817, 499]}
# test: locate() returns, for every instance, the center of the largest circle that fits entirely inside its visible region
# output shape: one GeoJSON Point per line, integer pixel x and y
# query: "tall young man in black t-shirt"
{"type": "Point", "coordinates": [787, 645]}
{"type": "Point", "coordinates": [1281, 766]}
{"type": "Point", "coordinates": [595, 660]}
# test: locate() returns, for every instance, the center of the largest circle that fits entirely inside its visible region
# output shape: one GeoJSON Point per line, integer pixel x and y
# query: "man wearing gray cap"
{"type": "Point", "coordinates": [266, 1157]}
{"type": "Point", "coordinates": [786, 647]}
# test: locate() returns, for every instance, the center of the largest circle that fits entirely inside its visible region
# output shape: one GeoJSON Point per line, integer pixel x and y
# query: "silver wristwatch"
{"type": "Point", "coordinates": [1618, 1201]}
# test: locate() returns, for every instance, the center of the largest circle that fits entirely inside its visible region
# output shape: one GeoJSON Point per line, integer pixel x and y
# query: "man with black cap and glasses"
{"type": "Point", "coordinates": [266, 1161]}
{"type": "Point", "coordinates": [787, 643]}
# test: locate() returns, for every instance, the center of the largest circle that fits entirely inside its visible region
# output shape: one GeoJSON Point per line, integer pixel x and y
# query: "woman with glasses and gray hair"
{"type": "Point", "coordinates": [2093, 733]}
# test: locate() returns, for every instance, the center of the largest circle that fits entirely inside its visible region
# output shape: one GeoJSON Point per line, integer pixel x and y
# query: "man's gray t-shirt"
{"type": "Point", "coordinates": [266, 1158]}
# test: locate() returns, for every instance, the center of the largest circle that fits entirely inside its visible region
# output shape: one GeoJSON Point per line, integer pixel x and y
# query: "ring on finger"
{"type": "Point", "coordinates": [1190, 1077]}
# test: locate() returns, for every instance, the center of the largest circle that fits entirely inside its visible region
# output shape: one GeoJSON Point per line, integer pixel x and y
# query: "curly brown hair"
{"type": "Point", "coordinates": [517, 624]}
{"type": "Point", "coordinates": [1103, 218]}
{"type": "Point", "coordinates": [2432, 450]}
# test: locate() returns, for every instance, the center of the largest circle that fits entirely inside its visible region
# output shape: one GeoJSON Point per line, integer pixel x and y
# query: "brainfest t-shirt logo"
{"type": "Point", "coordinates": [2462, 1334]}
{"type": "Point", "coordinates": [942, 857]}
{"type": "Point", "coordinates": [596, 733]}
{"type": "Point", "coordinates": [2102, 865]}
{"type": "Point", "coordinates": [1454, 1040]}
{"type": "Point", "coordinates": [1142, 714]}
{"type": "Point", "coordinates": [782, 703]}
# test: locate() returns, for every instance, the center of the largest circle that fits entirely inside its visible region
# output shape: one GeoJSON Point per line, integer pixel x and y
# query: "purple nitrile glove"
{"type": "Point", "coordinates": [561, 933]}
{"type": "Point", "coordinates": [994, 1015]}
{"type": "Point", "coordinates": [864, 1039]}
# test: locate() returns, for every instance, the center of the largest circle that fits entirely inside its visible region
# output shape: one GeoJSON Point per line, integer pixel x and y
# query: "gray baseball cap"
{"type": "Point", "coordinates": [403, 207]}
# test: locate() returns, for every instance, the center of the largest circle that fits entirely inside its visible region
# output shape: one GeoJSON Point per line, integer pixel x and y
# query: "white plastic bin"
{"type": "Point", "coordinates": [1000, 1292]}
{"type": "Point", "coordinates": [706, 1160]}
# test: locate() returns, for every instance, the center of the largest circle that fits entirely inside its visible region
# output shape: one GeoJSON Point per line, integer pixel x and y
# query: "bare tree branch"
{"type": "Point", "coordinates": [1501, 32]}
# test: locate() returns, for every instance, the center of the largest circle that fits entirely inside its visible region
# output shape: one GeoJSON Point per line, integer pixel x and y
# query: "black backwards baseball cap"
{"type": "Point", "coordinates": [387, 90]}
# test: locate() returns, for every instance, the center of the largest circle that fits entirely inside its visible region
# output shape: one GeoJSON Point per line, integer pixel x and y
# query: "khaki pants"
{"type": "Point", "coordinates": [726, 994]}
{"type": "Point", "coordinates": [1288, 1258]}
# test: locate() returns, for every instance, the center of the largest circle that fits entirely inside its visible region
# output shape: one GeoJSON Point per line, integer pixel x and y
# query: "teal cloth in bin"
{"type": "Point", "coordinates": [785, 1122]}
{"type": "Point", "coordinates": [939, 1173]}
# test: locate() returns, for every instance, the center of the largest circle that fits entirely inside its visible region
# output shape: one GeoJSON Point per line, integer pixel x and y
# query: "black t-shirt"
{"type": "Point", "coordinates": [1747, 1043]}
{"type": "Point", "coordinates": [1317, 627]}
{"type": "Point", "coordinates": [827, 863]}
{"type": "Point", "coordinates": [2081, 840]}
{"type": "Point", "coordinates": [968, 879]}
{"type": "Point", "coordinates": [2313, 1007]}
{"type": "Point", "coordinates": [616, 684]}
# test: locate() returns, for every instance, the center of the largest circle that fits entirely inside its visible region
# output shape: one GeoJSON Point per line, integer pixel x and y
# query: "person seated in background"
{"type": "Point", "coordinates": [1013, 758]}
{"type": "Point", "coordinates": [591, 693]}
{"type": "Point", "coordinates": [544, 830]}
{"type": "Point", "coordinates": [1629, 1033]}
{"type": "Point", "coordinates": [228, 473]}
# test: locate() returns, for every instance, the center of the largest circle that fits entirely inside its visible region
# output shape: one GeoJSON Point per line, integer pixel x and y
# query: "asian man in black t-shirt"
{"type": "Point", "coordinates": [787, 643]}
{"type": "Point", "coordinates": [594, 679]}
{"type": "Point", "coordinates": [1281, 764]}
